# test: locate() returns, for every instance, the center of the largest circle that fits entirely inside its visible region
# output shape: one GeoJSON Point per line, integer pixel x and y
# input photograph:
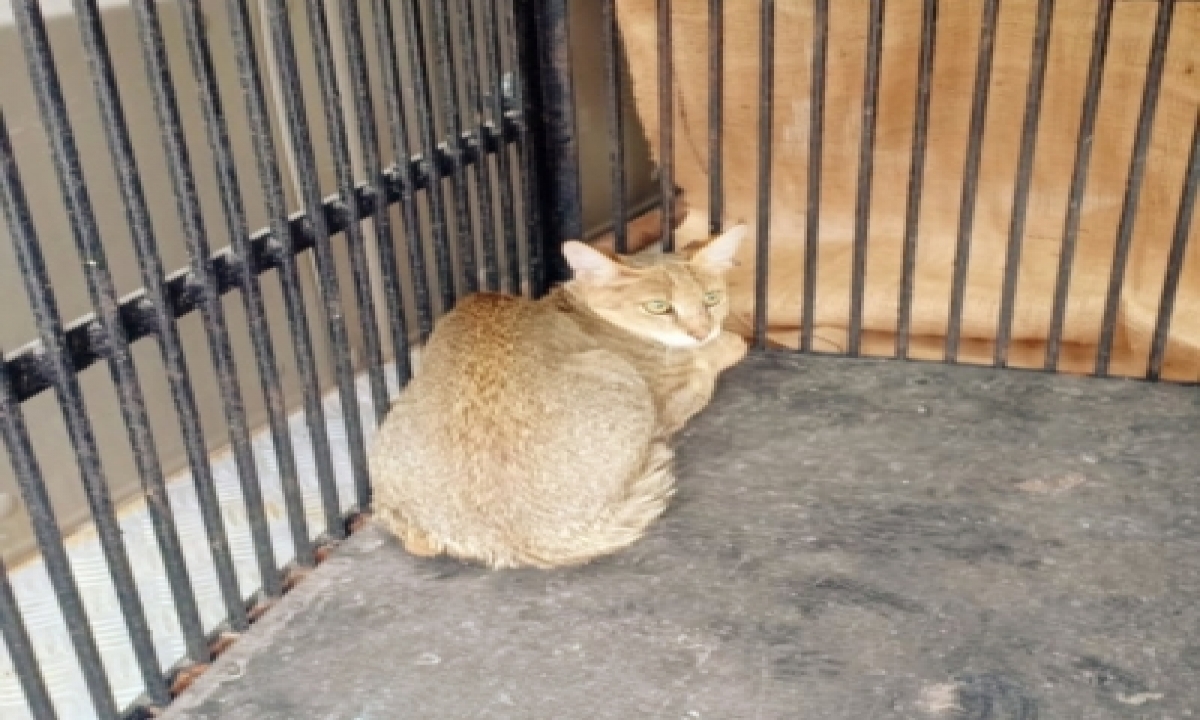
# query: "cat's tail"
{"type": "Point", "coordinates": [623, 524]}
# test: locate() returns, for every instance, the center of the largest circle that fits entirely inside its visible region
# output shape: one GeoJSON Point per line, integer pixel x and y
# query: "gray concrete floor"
{"type": "Point", "coordinates": [852, 540]}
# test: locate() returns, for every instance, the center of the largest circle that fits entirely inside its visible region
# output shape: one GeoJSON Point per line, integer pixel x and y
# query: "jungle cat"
{"type": "Point", "coordinates": [537, 433]}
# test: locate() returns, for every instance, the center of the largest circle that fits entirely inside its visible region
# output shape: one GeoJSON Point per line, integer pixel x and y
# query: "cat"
{"type": "Point", "coordinates": [537, 433]}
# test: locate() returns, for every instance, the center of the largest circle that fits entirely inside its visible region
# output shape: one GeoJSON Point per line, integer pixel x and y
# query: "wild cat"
{"type": "Point", "coordinates": [537, 432]}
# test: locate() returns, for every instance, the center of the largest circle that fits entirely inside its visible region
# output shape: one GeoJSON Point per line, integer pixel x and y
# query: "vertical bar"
{"type": "Point", "coordinates": [195, 237]}
{"type": "Point", "coordinates": [1083, 155]}
{"type": "Point", "coordinates": [1029, 130]}
{"type": "Point", "coordinates": [559, 156]}
{"type": "Point", "coordinates": [616, 126]}
{"type": "Point", "coordinates": [970, 188]}
{"type": "Point", "coordinates": [385, 41]}
{"type": "Point", "coordinates": [254, 98]}
{"type": "Point", "coordinates": [866, 166]}
{"type": "Point", "coordinates": [32, 485]}
{"type": "Point", "coordinates": [17, 642]}
{"type": "Point", "coordinates": [234, 212]}
{"type": "Point", "coordinates": [435, 191]}
{"type": "Point", "coordinates": [469, 34]}
{"type": "Point", "coordinates": [493, 57]}
{"type": "Point", "coordinates": [360, 274]}
{"type": "Point", "coordinates": [448, 78]}
{"type": "Point", "coordinates": [1179, 243]}
{"type": "Point", "coordinates": [666, 125]}
{"type": "Point", "coordinates": [916, 175]}
{"type": "Point", "coordinates": [150, 265]}
{"type": "Point", "coordinates": [766, 91]}
{"type": "Point", "coordinates": [331, 299]}
{"type": "Point", "coordinates": [716, 106]}
{"type": "Point", "coordinates": [1133, 187]}
{"type": "Point", "coordinates": [816, 131]}
{"type": "Point", "coordinates": [368, 138]}
{"type": "Point", "coordinates": [53, 110]}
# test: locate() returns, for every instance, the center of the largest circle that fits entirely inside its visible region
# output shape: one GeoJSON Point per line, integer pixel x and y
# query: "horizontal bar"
{"type": "Point", "coordinates": [86, 342]}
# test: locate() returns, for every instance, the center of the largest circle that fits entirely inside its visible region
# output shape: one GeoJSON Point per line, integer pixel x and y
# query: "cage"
{"type": "Point", "coordinates": [234, 224]}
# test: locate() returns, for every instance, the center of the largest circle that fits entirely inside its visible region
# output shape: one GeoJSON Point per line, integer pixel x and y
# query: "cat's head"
{"type": "Point", "coordinates": [677, 299]}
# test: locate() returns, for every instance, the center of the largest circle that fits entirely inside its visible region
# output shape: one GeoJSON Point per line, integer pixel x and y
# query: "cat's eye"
{"type": "Point", "coordinates": [713, 297]}
{"type": "Point", "coordinates": [657, 307]}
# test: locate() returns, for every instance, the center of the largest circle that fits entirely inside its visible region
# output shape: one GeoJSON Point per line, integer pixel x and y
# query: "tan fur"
{"type": "Point", "coordinates": [537, 432]}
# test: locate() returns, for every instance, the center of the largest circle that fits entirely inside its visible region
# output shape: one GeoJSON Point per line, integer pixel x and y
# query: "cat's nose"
{"type": "Point", "coordinates": [697, 332]}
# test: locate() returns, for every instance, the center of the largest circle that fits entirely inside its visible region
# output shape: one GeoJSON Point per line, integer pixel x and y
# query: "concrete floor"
{"type": "Point", "coordinates": [852, 540]}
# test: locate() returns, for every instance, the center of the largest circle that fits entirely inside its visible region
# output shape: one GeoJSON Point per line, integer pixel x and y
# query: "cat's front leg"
{"type": "Point", "coordinates": [724, 351]}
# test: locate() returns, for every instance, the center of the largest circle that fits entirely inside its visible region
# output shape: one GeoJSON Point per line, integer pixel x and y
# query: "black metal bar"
{"type": "Point", "coordinates": [666, 125]}
{"type": "Point", "coordinates": [916, 176]}
{"type": "Point", "coordinates": [616, 126]}
{"type": "Point", "coordinates": [368, 138]}
{"type": "Point", "coordinates": [970, 188]}
{"type": "Point", "coordinates": [1029, 130]}
{"type": "Point", "coordinates": [343, 170]}
{"type": "Point", "coordinates": [1083, 155]}
{"type": "Point", "coordinates": [448, 79]}
{"type": "Point", "coordinates": [1179, 246]}
{"type": "Point", "coordinates": [816, 132]}
{"type": "Point", "coordinates": [333, 315]}
{"type": "Point", "coordinates": [195, 237]}
{"type": "Point", "coordinates": [200, 56]}
{"type": "Point", "coordinates": [493, 60]}
{"type": "Point", "coordinates": [422, 94]}
{"type": "Point", "coordinates": [484, 182]}
{"type": "Point", "coordinates": [19, 646]}
{"type": "Point", "coordinates": [150, 265]}
{"type": "Point", "coordinates": [33, 490]}
{"type": "Point", "coordinates": [385, 42]}
{"type": "Point", "coordinates": [85, 336]}
{"type": "Point", "coordinates": [766, 90]}
{"type": "Point", "coordinates": [1133, 187]}
{"type": "Point", "coordinates": [866, 167]}
{"type": "Point", "coordinates": [716, 109]}
{"type": "Point", "coordinates": [559, 152]}
{"type": "Point", "coordinates": [286, 239]}
{"type": "Point", "coordinates": [53, 110]}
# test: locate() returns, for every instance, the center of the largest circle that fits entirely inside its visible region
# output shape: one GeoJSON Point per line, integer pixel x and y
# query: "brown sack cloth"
{"type": "Point", "coordinates": [958, 36]}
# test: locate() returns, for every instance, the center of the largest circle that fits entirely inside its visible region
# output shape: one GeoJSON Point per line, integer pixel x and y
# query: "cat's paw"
{"type": "Point", "coordinates": [728, 349]}
{"type": "Point", "coordinates": [418, 543]}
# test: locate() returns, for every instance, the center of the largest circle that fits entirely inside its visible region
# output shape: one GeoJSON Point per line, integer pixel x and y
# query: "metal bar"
{"type": "Point", "coordinates": [418, 65]}
{"type": "Point", "coordinates": [526, 99]}
{"type": "Point", "coordinates": [616, 126]}
{"type": "Point", "coordinates": [1133, 187]}
{"type": "Point", "coordinates": [1179, 245]}
{"type": "Point", "coordinates": [200, 56]}
{"type": "Point", "coordinates": [1029, 130]}
{"type": "Point", "coordinates": [368, 138]}
{"type": "Point", "coordinates": [866, 165]}
{"type": "Point", "coordinates": [916, 176]}
{"type": "Point", "coordinates": [139, 319]}
{"type": "Point", "coordinates": [448, 78]}
{"type": "Point", "coordinates": [559, 152]}
{"type": "Point", "coordinates": [333, 315]}
{"type": "Point", "coordinates": [18, 644]}
{"type": "Point", "coordinates": [285, 238]}
{"type": "Point", "coordinates": [195, 238]}
{"type": "Point", "coordinates": [666, 126]}
{"type": "Point", "coordinates": [816, 132]}
{"type": "Point", "coordinates": [171, 348]}
{"type": "Point", "coordinates": [493, 60]}
{"type": "Point", "coordinates": [484, 182]}
{"type": "Point", "coordinates": [970, 188]}
{"type": "Point", "coordinates": [716, 108]}
{"type": "Point", "coordinates": [343, 170]}
{"type": "Point", "coordinates": [1083, 155]}
{"type": "Point", "coordinates": [56, 121]}
{"type": "Point", "coordinates": [766, 90]}
{"type": "Point", "coordinates": [385, 42]}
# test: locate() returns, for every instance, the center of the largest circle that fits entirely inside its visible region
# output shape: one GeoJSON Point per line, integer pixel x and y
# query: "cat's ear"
{"type": "Point", "coordinates": [589, 264]}
{"type": "Point", "coordinates": [719, 252]}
